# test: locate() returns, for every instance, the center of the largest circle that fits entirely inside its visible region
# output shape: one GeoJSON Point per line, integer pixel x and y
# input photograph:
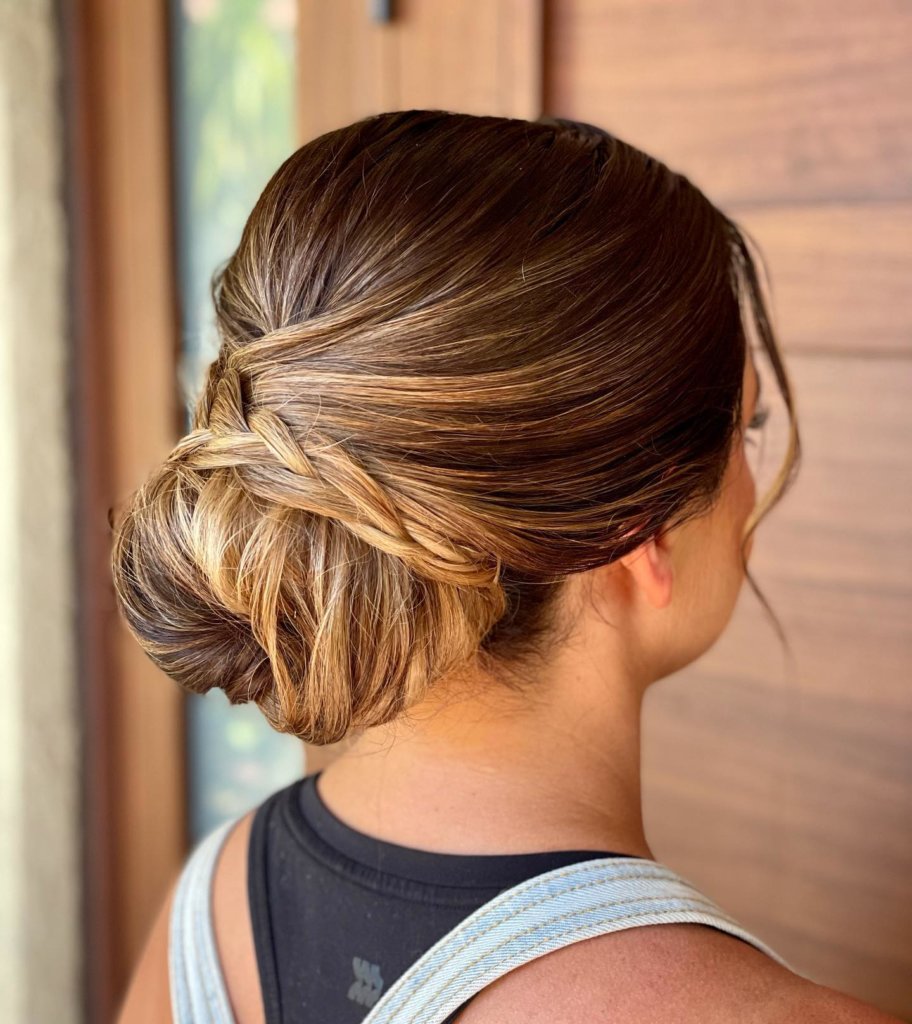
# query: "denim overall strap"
{"type": "Point", "coordinates": [198, 992]}
{"type": "Point", "coordinates": [540, 915]}
{"type": "Point", "coordinates": [544, 913]}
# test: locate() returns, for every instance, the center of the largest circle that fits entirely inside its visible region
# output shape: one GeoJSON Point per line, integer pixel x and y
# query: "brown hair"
{"type": "Point", "coordinates": [461, 358]}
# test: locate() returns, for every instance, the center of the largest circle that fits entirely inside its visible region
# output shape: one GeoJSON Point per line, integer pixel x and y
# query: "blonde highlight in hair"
{"type": "Point", "coordinates": [461, 359]}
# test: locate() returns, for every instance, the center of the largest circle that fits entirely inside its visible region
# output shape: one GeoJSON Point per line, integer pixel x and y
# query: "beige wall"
{"type": "Point", "coordinates": [39, 768]}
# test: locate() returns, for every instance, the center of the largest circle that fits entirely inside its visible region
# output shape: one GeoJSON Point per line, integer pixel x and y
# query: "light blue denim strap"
{"type": "Point", "coordinates": [198, 992]}
{"type": "Point", "coordinates": [537, 916]}
{"type": "Point", "coordinates": [540, 915]}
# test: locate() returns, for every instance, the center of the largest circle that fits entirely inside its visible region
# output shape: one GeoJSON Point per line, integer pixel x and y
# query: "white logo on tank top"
{"type": "Point", "coordinates": [368, 984]}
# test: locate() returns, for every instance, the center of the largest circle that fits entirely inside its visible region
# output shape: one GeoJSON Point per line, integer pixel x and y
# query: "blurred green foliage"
{"type": "Point", "coordinates": [234, 93]}
{"type": "Point", "coordinates": [233, 104]}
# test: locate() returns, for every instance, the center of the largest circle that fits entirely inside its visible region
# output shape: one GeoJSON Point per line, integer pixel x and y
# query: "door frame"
{"type": "Point", "coordinates": [124, 320]}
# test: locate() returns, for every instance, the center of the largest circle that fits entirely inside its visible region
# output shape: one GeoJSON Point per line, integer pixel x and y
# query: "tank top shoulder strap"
{"type": "Point", "coordinates": [198, 991]}
{"type": "Point", "coordinates": [540, 915]}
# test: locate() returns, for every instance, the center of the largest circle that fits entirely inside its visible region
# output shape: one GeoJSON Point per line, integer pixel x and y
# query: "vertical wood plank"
{"type": "Point", "coordinates": [125, 338]}
{"type": "Point", "coordinates": [775, 101]}
{"type": "Point", "coordinates": [478, 58]}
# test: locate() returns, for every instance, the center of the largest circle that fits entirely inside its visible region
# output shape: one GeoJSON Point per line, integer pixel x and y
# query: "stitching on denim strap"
{"type": "Point", "coordinates": [700, 900]}
{"type": "Point", "coordinates": [504, 911]}
{"type": "Point", "coordinates": [702, 904]}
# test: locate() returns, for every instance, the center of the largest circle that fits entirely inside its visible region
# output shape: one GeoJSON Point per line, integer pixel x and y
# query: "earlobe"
{"type": "Point", "coordinates": [652, 569]}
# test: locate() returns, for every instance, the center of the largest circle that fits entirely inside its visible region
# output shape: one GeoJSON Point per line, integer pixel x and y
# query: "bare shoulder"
{"type": "Point", "coordinates": [148, 997]}
{"type": "Point", "coordinates": [679, 973]}
{"type": "Point", "coordinates": [817, 1003]}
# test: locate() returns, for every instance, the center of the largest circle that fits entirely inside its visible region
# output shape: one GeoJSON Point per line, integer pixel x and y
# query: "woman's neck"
{"type": "Point", "coordinates": [556, 769]}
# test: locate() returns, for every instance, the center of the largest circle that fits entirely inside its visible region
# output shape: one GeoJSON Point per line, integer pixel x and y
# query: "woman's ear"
{"type": "Point", "coordinates": [651, 567]}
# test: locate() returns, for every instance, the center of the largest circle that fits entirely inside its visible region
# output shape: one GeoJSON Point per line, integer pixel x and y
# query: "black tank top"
{"type": "Point", "coordinates": [338, 916]}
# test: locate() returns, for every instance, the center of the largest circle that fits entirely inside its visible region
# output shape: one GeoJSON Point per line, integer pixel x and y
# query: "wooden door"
{"type": "Point", "coordinates": [781, 788]}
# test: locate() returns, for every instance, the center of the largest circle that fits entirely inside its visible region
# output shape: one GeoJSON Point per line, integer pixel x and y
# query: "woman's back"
{"type": "Point", "coordinates": [338, 916]}
{"type": "Point", "coordinates": [296, 891]}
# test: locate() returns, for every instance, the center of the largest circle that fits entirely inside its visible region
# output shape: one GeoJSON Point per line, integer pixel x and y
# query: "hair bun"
{"type": "Point", "coordinates": [325, 611]}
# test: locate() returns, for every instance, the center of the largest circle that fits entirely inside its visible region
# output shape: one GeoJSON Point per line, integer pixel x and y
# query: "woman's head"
{"type": "Point", "coordinates": [462, 359]}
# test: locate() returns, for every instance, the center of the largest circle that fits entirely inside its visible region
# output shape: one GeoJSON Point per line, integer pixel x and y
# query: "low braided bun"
{"type": "Point", "coordinates": [290, 578]}
{"type": "Point", "coordinates": [442, 387]}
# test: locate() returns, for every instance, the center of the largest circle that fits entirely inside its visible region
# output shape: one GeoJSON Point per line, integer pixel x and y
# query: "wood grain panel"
{"type": "Point", "coordinates": [840, 273]}
{"type": "Point", "coordinates": [347, 65]}
{"type": "Point", "coordinates": [771, 101]}
{"type": "Point", "coordinates": [785, 788]}
{"type": "Point", "coordinates": [477, 58]}
{"type": "Point", "coordinates": [451, 55]}
{"type": "Point", "coordinates": [848, 521]}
